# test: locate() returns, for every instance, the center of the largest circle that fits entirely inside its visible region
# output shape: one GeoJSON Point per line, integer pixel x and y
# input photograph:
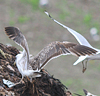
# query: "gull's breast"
{"type": "Point", "coordinates": [20, 62]}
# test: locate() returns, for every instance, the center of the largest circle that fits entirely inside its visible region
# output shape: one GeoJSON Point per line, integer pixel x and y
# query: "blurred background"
{"type": "Point", "coordinates": [39, 30]}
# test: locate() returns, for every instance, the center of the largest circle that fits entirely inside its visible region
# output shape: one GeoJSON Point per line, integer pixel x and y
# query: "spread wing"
{"type": "Point", "coordinates": [16, 35]}
{"type": "Point", "coordinates": [82, 40]}
{"type": "Point", "coordinates": [57, 48]}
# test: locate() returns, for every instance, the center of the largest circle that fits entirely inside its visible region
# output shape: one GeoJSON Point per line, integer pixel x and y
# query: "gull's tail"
{"type": "Point", "coordinates": [81, 58]}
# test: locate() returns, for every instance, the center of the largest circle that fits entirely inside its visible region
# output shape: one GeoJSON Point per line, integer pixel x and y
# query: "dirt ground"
{"type": "Point", "coordinates": [40, 30]}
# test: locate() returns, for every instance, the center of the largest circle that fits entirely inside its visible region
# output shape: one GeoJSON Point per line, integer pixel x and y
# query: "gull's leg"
{"type": "Point", "coordinates": [83, 66]}
{"type": "Point", "coordinates": [21, 79]}
{"type": "Point", "coordinates": [29, 79]}
{"type": "Point", "coordinates": [84, 62]}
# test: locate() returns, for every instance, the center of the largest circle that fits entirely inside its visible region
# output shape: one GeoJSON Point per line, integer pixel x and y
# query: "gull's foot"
{"type": "Point", "coordinates": [84, 69]}
{"type": "Point", "coordinates": [84, 63]}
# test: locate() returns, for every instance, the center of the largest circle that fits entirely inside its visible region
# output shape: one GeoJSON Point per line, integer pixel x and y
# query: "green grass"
{"type": "Point", "coordinates": [33, 3]}
{"type": "Point", "coordinates": [87, 19]}
{"type": "Point", "coordinates": [75, 84]}
{"type": "Point", "coordinates": [11, 22]}
{"type": "Point", "coordinates": [23, 19]}
{"type": "Point", "coordinates": [63, 15]}
{"type": "Point", "coordinates": [68, 82]}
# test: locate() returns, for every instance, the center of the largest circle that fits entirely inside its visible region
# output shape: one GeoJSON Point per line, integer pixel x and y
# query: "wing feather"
{"type": "Point", "coordinates": [56, 49]}
{"type": "Point", "coordinates": [16, 35]}
{"type": "Point", "coordinates": [82, 40]}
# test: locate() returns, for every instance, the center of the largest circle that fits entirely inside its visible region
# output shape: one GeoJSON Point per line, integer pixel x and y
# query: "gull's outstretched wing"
{"type": "Point", "coordinates": [88, 93]}
{"type": "Point", "coordinates": [56, 49]}
{"type": "Point", "coordinates": [78, 36]}
{"type": "Point", "coordinates": [16, 35]}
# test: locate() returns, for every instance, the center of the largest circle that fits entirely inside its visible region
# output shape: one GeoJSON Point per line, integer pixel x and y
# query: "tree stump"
{"type": "Point", "coordinates": [46, 85]}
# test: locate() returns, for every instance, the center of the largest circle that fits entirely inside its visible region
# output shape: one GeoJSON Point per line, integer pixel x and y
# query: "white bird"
{"type": "Point", "coordinates": [82, 41]}
{"type": "Point", "coordinates": [31, 67]}
{"type": "Point", "coordinates": [88, 93]}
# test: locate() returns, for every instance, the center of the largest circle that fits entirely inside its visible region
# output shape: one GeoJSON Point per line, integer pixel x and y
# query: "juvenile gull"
{"type": "Point", "coordinates": [22, 59]}
{"type": "Point", "coordinates": [82, 41]}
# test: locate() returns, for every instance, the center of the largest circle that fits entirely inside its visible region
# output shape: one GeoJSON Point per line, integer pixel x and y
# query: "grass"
{"type": "Point", "coordinates": [63, 15]}
{"type": "Point", "coordinates": [11, 22]}
{"type": "Point", "coordinates": [33, 3]}
{"type": "Point", "coordinates": [87, 19]}
{"type": "Point", "coordinates": [74, 84]}
{"type": "Point", "coordinates": [68, 82]}
{"type": "Point", "coordinates": [63, 11]}
{"type": "Point", "coordinates": [23, 19]}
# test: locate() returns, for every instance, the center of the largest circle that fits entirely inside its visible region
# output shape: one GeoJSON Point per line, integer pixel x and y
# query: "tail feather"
{"type": "Point", "coordinates": [81, 58]}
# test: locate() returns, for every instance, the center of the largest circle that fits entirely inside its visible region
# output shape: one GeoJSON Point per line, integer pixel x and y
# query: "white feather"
{"type": "Point", "coordinates": [81, 58]}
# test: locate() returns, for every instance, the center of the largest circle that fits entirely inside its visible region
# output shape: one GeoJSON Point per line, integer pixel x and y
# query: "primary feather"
{"type": "Point", "coordinates": [22, 59]}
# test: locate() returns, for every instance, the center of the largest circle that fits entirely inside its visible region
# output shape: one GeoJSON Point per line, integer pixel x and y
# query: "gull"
{"type": "Point", "coordinates": [82, 41]}
{"type": "Point", "coordinates": [22, 59]}
{"type": "Point", "coordinates": [31, 66]}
